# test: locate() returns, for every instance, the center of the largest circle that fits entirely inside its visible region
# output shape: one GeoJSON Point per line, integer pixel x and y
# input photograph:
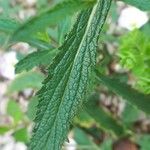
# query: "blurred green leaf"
{"type": "Point", "coordinates": [103, 118]}
{"type": "Point", "coordinates": [144, 142]}
{"type": "Point", "coordinates": [8, 25]}
{"type": "Point", "coordinates": [132, 55]}
{"type": "Point", "coordinates": [21, 135]}
{"type": "Point", "coordinates": [50, 17]}
{"type": "Point", "coordinates": [26, 80]}
{"type": "Point", "coordinates": [130, 114]}
{"type": "Point", "coordinates": [4, 129]}
{"type": "Point", "coordinates": [63, 28]}
{"type": "Point", "coordinates": [84, 119]}
{"type": "Point", "coordinates": [146, 28]}
{"type": "Point", "coordinates": [141, 4]}
{"type": "Point", "coordinates": [34, 59]}
{"type": "Point", "coordinates": [14, 110]}
{"type": "Point", "coordinates": [8, 9]}
{"type": "Point", "coordinates": [132, 96]}
{"type": "Point", "coordinates": [83, 140]}
{"type": "Point", "coordinates": [32, 108]}
{"type": "Point", "coordinates": [106, 145]}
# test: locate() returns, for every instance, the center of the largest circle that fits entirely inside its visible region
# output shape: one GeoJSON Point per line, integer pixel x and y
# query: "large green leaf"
{"type": "Point", "coordinates": [141, 4]}
{"type": "Point", "coordinates": [34, 59]}
{"type": "Point", "coordinates": [63, 91]}
{"type": "Point", "coordinates": [49, 17]}
{"type": "Point", "coordinates": [132, 96]}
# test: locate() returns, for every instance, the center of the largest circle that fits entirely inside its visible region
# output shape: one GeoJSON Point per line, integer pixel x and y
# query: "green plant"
{"type": "Point", "coordinates": [72, 74]}
{"type": "Point", "coordinates": [135, 57]}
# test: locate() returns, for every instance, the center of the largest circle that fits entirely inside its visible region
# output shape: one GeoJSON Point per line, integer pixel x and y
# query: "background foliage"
{"type": "Point", "coordinates": [118, 107]}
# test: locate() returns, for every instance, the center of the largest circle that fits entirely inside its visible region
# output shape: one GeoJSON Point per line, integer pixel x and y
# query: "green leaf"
{"type": "Point", "coordinates": [83, 141]}
{"type": "Point", "coordinates": [133, 55]}
{"type": "Point", "coordinates": [84, 119]}
{"type": "Point", "coordinates": [50, 17]}
{"type": "Point", "coordinates": [21, 135]}
{"type": "Point", "coordinates": [130, 114]}
{"type": "Point", "coordinates": [32, 108]}
{"type": "Point", "coordinates": [107, 145]}
{"type": "Point", "coordinates": [103, 118]}
{"type": "Point", "coordinates": [63, 28]}
{"type": "Point", "coordinates": [144, 142]}
{"type": "Point", "coordinates": [132, 96]}
{"type": "Point", "coordinates": [8, 25]}
{"type": "Point", "coordinates": [26, 80]}
{"type": "Point", "coordinates": [141, 4]}
{"type": "Point", "coordinates": [4, 129]}
{"type": "Point", "coordinates": [146, 29]}
{"type": "Point", "coordinates": [34, 59]}
{"type": "Point", "coordinates": [14, 110]}
{"type": "Point", "coordinates": [63, 91]}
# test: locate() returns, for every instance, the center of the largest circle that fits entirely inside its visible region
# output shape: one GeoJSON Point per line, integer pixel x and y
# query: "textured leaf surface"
{"type": "Point", "coordinates": [132, 96]}
{"type": "Point", "coordinates": [63, 91]}
{"type": "Point", "coordinates": [35, 59]}
{"type": "Point", "coordinates": [141, 4]}
{"type": "Point", "coordinates": [50, 17]}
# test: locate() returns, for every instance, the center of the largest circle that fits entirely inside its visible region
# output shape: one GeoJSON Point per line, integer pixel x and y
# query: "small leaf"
{"type": "Point", "coordinates": [32, 108]}
{"type": "Point", "coordinates": [141, 4]}
{"type": "Point", "coordinates": [34, 59]}
{"type": "Point", "coordinates": [8, 25]}
{"type": "Point", "coordinates": [107, 145]}
{"type": "Point", "coordinates": [83, 140]}
{"type": "Point", "coordinates": [21, 135]}
{"type": "Point", "coordinates": [14, 110]}
{"type": "Point", "coordinates": [84, 119]}
{"type": "Point", "coordinates": [26, 80]}
{"type": "Point", "coordinates": [50, 17]}
{"type": "Point", "coordinates": [103, 118]}
{"type": "Point", "coordinates": [132, 96]}
{"type": "Point", "coordinates": [63, 28]}
{"type": "Point", "coordinates": [130, 114]}
{"type": "Point", "coordinates": [4, 129]}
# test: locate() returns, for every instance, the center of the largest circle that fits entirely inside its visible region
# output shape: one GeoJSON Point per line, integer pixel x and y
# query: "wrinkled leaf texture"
{"type": "Point", "coordinates": [63, 91]}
